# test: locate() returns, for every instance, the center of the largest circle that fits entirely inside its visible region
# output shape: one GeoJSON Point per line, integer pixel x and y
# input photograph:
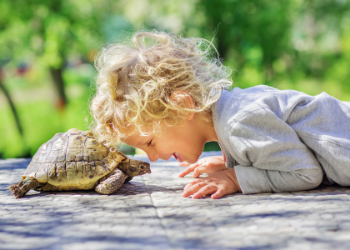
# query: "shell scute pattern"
{"type": "Point", "coordinates": [75, 151]}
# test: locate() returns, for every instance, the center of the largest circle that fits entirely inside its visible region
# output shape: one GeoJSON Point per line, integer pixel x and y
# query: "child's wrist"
{"type": "Point", "coordinates": [232, 175]}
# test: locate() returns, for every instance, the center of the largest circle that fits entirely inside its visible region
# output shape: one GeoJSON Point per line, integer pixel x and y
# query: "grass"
{"type": "Point", "coordinates": [40, 120]}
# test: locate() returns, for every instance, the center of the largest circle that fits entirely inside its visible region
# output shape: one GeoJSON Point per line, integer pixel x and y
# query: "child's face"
{"type": "Point", "coordinates": [183, 142]}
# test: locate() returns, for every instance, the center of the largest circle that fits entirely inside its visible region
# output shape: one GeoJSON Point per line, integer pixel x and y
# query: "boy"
{"type": "Point", "coordinates": [165, 95]}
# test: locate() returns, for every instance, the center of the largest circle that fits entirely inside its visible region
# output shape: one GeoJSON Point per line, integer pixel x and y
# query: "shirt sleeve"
{"type": "Point", "coordinates": [274, 157]}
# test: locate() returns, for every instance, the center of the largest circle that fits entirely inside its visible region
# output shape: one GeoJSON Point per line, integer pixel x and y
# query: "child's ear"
{"type": "Point", "coordinates": [181, 97]}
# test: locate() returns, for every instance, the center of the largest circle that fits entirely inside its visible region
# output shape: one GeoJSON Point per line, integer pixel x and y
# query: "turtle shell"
{"type": "Point", "coordinates": [73, 160]}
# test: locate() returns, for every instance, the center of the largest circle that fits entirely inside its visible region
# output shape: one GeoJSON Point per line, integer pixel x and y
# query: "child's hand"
{"type": "Point", "coordinates": [207, 165]}
{"type": "Point", "coordinates": [217, 184]}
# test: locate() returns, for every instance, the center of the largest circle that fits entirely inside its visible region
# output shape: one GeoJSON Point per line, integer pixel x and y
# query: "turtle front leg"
{"type": "Point", "coordinates": [21, 188]}
{"type": "Point", "coordinates": [112, 183]}
{"type": "Point", "coordinates": [128, 179]}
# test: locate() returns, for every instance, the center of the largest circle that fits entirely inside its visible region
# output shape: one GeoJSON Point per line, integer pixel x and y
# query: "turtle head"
{"type": "Point", "coordinates": [137, 167]}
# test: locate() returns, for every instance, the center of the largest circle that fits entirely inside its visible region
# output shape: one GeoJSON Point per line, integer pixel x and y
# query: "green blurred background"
{"type": "Point", "coordinates": [47, 50]}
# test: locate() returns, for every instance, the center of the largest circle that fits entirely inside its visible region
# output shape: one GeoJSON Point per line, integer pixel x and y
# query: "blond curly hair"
{"type": "Point", "coordinates": [135, 82]}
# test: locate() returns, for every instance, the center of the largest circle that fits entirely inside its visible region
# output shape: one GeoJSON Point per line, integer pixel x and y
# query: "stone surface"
{"type": "Point", "coordinates": [150, 213]}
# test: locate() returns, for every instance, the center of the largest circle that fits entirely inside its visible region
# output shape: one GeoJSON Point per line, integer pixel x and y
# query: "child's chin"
{"type": "Point", "coordinates": [191, 161]}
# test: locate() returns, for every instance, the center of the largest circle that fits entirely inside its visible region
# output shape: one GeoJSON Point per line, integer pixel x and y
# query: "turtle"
{"type": "Point", "coordinates": [76, 160]}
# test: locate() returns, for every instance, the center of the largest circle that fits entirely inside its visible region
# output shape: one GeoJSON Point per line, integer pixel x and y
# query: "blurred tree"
{"type": "Point", "coordinates": [318, 31]}
{"type": "Point", "coordinates": [11, 103]}
{"type": "Point", "coordinates": [249, 27]}
{"type": "Point", "coordinates": [48, 31]}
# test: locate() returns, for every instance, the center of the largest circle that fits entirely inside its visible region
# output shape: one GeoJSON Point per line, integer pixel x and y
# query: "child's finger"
{"type": "Point", "coordinates": [185, 172]}
{"type": "Point", "coordinates": [191, 183]}
{"type": "Point", "coordinates": [199, 170]}
{"type": "Point", "coordinates": [218, 194]}
{"type": "Point", "coordinates": [208, 189]}
{"type": "Point", "coordinates": [193, 189]}
{"type": "Point", "coordinates": [188, 170]}
{"type": "Point", "coordinates": [184, 164]}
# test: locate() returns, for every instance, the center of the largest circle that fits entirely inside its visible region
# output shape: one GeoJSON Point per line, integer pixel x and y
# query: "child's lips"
{"type": "Point", "coordinates": [177, 157]}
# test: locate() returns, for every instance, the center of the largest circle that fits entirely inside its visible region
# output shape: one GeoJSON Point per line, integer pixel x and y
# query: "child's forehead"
{"type": "Point", "coordinates": [137, 139]}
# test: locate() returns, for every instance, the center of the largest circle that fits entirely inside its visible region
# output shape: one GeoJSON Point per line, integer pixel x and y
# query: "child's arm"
{"type": "Point", "coordinates": [218, 184]}
{"type": "Point", "coordinates": [271, 156]}
{"type": "Point", "coordinates": [207, 165]}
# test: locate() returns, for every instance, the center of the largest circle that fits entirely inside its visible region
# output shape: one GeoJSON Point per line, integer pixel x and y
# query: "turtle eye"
{"type": "Point", "coordinates": [142, 167]}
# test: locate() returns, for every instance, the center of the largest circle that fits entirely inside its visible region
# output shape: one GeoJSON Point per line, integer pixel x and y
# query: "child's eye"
{"type": "Point", "coordinates": [149, 144]}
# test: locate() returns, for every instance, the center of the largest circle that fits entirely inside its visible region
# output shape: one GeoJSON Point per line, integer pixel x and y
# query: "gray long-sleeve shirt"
{"type": "Point", "coordinates": [280, 141]}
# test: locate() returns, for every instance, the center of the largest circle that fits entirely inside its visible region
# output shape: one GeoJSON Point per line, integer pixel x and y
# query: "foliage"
{"type": "Point", "coordinates": [302, 45]}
